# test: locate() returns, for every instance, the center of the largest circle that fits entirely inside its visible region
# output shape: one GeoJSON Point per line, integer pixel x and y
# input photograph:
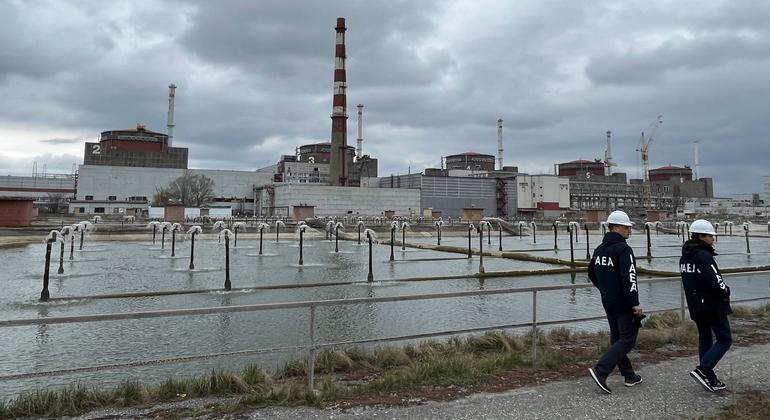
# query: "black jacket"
{"type": "Point", "coordinates": [613, 271]}
{"type": "Point", "coordinates": [707, 294]}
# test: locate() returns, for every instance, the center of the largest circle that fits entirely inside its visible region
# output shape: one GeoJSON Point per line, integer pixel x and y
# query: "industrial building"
{"type": "Point", "coordinates": [471, 161]}
{"type": "Point", "coordinates": [679, 182]}
{"type": "Point", "coordinates": [449, 195]}
{"type": "Point", "coordinates": [135, 147]}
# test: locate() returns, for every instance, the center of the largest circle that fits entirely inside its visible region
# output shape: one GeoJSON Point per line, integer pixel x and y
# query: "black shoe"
{"type": "Point", "coordinates": [601, 381]}
{"type": "Point", "coordinates": [701, 378]}
{"type": "Point", "coordinates": [716, 384]}
{"type": "Point", "coordinates": [636, 379]}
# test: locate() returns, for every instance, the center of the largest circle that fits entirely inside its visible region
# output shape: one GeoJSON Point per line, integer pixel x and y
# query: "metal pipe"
{"type": "Point", "coordinates": [227, 262]}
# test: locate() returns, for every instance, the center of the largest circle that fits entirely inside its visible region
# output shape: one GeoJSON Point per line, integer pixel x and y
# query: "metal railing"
{"type": "Point", "coordinates": [313, 347]}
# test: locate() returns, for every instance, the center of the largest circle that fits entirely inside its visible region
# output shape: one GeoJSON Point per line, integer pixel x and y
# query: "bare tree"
{"type": "Point", "coordinates": [56, 201]}
{"type": "Point", "coordinates": [190, 190]}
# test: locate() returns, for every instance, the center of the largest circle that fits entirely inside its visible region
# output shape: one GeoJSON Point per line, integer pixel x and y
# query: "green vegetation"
{"type": "Point", "coordinates": [749, 406]}
{"type": "Point", "coordinates": [362, 372]}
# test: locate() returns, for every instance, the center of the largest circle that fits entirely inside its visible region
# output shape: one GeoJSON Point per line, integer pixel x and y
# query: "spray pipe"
{"type": "Point", "coordinates": [533, 225]}
{"type": "Point", "coordinates": [194, 230]}
{"type": "Point", "coordinates": [393, 227]}
{"type": "Point", "coordinates": [588, 247]}
{"type": "Point", "coordinates": [337, 227]}
{"type": "Point", "coordinates": [237, 226]}
{"type": "Point", "coordinates": [154, 225]}
{"type": "Point", "coordinates": [359, 225]}
{"type": "Point", "coordinates": [489, 233]}
{"type": "Point", "coordinates": [65, 232]}
{"type": "Point", "coordinates": [521, 224]}
{"type": "Point", "coordinates": [227, 233]}
{"type": "Point", "coordinates": [370, 236]}
{"type": "Point", "coordinates": [329, 228]}
{"type": "Point", "coordinates": [53, 236]}
{"type": "Point", "coordinates": [555, 235]}
{"type": "Point", "coordinates": [438, 223]}
{"type": "Point", "coordinates": [575, 226]}
{"type": "Point", "coordinates": [647, 227]}
{"type": "Point", "coordinates": [499, 236]}
{"type": "Point", "coordinates": [746, 229]}
{"type": "Point", "coordinates": [85, 226]}
{"type": "Point", "coordinates": [482, 224]}
{"type": "Point", "coordinates": [301, 229]}
{"type": "Point", "coordinates": [470, 229]}
{"type": "Point", "coordinates": [404, 227]}
{"type": "Point", "coordinates": [262, 226]}
{"type": "Point", "coordinates": [278, 225]}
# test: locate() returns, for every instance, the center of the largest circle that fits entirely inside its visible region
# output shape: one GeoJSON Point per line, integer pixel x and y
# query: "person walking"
{"type": "Point", "coordinates": [613, 270]}
{"type": "Point", "coordinates": [708, 299]}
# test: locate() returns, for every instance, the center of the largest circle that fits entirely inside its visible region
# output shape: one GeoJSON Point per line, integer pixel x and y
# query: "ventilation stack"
{"type": "Point", "coordinates": [170, 125]}
{"type": "Point", "coordinates": [695, 162]}
{"type": "Point", "coordinates": [608, 155]}
{"type": "Point", "coordinates": [360, 141]}
{"type": "Point", "coordinates": [338, 171]}
{"type": "Point", "coordinates": [500, 144]}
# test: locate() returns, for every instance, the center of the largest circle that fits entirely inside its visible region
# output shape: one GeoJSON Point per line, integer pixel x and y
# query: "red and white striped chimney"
{"type": "Point", "coordinates": [338, 170]}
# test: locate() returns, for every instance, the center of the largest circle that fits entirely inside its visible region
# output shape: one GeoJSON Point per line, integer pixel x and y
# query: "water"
{"type": "Point", "coordinates": [118, 267]}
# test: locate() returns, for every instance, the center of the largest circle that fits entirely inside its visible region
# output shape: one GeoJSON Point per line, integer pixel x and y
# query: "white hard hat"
{"type": "Point", "coordinates": [618, 217]}
{"type": "Point", "coordinates": [703, 227]}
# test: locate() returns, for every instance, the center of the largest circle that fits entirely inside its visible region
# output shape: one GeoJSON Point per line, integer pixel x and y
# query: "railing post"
{"type": "Point", "coordinates": [311, 353]}
{"type": "Point", "coordinates": [534, 327]}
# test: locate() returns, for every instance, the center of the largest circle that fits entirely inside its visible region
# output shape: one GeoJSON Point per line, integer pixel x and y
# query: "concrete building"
{"type": "Point", "coordinates": [578, 168]}
{"type": "Point", "coordinates": [135, 147]}
{"type": "Point", "coordinates": [281, 200]}
{"type": "Point", "coordinates": [311, 165]}
{"type": "Point", "coordinates": [471, 161]}
{"type": "Point", "coordinates": [128, 190]}
{"type": "Point", "coordinates": [38, 187]}
{"type": "Point", "coordinates": [766, 189]}
{"type": "Point", "coordinates": [451, 194]}
{"type": "Point", "coordinates": [545, 196]}
{"type": "Point", "coordinates": [678, 182]}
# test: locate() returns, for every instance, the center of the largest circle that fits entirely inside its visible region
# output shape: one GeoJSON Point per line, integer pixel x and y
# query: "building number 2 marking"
{"type": "Point", "coordinates": [96, 149]}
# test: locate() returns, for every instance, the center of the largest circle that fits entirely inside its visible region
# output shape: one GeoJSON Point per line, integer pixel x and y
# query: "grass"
{"type": "Point", "coordinates": [749, 405]}
{"type": "Point", "coordinates": [458, 361]}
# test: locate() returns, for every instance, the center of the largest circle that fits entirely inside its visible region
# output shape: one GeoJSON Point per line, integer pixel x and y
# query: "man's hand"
{"type": "Point", "coordinates": [638, 310]}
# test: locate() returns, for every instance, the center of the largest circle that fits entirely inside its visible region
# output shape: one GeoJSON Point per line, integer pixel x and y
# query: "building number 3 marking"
{"type": "Point", "coordinates": [96, 149]}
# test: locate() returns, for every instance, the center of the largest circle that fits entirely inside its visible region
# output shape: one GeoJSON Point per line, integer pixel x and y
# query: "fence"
{"type": "Point", "coordinates": [313, 347]}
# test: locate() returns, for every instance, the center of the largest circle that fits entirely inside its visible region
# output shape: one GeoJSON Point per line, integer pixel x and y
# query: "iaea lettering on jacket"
{"type": "Point", "coordinates": [613, 270]}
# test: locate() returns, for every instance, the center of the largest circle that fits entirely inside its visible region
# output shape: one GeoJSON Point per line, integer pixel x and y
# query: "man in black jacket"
{"type": "Point", "coordinates": [613, 270]}
{"type": "Point", "coordinates": [708, 299]}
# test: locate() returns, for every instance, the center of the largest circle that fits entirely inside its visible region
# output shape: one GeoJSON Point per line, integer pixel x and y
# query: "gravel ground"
{"type": "Point", "coordinates": [667, 392]}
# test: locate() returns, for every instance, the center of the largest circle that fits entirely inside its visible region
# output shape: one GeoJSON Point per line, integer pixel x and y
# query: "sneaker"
{"type": "Point", "coordinates": [717, 385]}
{"type": "Point", "coordinates": [636, 379]}
{"type": "Point", "coordinates": [701, 378]}
{"type": "Point", "coordinates": [601, 381]}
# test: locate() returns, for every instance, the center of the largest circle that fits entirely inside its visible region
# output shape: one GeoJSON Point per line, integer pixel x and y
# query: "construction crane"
{"type": "Point", "coordinates": [644, 146]}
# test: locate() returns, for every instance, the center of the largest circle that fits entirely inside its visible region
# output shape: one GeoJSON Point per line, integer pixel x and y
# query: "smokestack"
{"type": "Point", "coordinates": [696, 163]}
{"type": "Point", "coordinates": [608, 154]}
{"type": "Point", "coordinates": [338, 171]}
{"type": "Point", "coordinates": [500, 144]}
{"type": "Point", "coordinates": [170, 125]}
{"type": "Point", "coordinates": [360, 141]}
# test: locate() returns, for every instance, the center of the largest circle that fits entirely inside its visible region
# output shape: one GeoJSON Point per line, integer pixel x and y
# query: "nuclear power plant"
{"type": "Point", "coordinates": [123, 170]}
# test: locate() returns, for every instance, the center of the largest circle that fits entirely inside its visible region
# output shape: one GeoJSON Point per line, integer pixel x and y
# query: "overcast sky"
{"type": "Point", "coordinates": [255, 80]}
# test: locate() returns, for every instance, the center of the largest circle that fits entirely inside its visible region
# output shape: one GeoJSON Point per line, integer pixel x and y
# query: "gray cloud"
{"type": "Point", "coordinates": [63, 141]}
{"type": "Point", "coordinates": [255, 78]}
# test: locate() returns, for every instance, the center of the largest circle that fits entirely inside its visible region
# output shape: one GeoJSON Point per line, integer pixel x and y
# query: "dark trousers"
{"type": "Point", "coordinates": [623, 334]}
{"type": "Point", "coordinates": [710, 352]}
